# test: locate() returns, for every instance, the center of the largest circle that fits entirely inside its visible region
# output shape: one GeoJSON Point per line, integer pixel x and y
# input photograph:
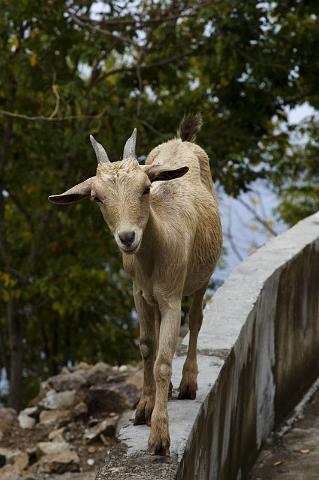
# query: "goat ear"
{"type": "Point", "coordinates": [160, 172]}
{"type": "Point", "coordinates": [74, 194]}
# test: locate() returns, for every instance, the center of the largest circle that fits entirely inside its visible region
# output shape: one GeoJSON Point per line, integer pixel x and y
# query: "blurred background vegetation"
{"type": "Point", "coordinates": [70, 68]}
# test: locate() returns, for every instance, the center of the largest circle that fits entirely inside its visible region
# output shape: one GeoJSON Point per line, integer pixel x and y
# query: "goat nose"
{"type": "Point", "coordinates": [127, 238]}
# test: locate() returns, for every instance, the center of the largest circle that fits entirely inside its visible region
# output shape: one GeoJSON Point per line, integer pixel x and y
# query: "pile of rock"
{"type": "Point", "coordinates": [69, 426]}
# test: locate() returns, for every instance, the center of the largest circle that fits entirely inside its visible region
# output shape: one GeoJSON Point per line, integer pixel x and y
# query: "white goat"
{"type": "Point", "coordinates": [165, 219]}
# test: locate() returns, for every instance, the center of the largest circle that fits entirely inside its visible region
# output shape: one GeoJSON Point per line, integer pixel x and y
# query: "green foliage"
{"type": "Point", "coordinates": [299, 192]}
{"type": "Point", "coordinates": [65, 73]}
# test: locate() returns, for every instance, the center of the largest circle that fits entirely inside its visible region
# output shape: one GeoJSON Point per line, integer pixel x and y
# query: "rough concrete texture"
{"type": "Point", "coordinates": [257, 357]}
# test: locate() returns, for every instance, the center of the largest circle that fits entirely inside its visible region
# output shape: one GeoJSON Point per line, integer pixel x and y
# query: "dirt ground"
{"type": "Point", "coordinates": [294, 455]}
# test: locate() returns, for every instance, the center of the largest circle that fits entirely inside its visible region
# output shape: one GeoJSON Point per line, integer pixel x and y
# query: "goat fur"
{"type": "Point", "coordinates": [178, 243]}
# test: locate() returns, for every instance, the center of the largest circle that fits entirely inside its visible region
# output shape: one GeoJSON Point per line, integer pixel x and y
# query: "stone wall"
{"type": "Point", "coordinates": [258, 354]}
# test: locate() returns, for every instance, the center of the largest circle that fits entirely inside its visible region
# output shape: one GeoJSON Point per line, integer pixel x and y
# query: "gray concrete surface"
{"type": "Point", "coordinates": [258, 354]}
{"type": "Point", "coordinates": [182, 413]}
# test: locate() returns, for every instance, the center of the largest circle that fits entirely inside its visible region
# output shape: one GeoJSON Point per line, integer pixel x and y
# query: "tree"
{"type": "Point", "coordinates": [299, 192]}
{"type": "Point", "coordinates": [68, 68]}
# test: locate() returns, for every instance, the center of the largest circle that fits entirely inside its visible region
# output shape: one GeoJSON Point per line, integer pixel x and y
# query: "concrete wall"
{"type": "Point", "coordinates": [258, 353]}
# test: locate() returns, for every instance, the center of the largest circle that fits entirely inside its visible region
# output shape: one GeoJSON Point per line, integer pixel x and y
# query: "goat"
{"type": "Point", "coordinates": [165, 219]}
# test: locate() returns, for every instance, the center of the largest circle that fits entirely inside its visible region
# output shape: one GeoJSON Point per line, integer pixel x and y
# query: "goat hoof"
{"type": "Point", "coordinates": [140, 418]}
{"type": "Point", "coordinates": [160, 448]}
{"type": "Point", "coordinates": [144, 411]}
{"type": "Point", "coordinates": [187, 392]}
{"type": "Point", "coordinates": [159, 441]}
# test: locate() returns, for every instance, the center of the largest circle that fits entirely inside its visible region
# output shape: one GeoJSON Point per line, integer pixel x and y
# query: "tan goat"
{"type": "Point", "coordinates": [165, 219]}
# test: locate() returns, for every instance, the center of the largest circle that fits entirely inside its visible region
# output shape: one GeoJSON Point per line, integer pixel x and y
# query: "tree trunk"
{"type": "Point", "coordinates": [4, 352]}
{"type": "Point", "coordinates": [15, 342]}
{"type": "Point", "coordinates": [54, 357]}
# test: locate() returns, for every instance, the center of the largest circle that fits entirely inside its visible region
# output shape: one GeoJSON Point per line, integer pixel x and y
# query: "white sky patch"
{"type": "Point", "coordinates": [193, 84]}
{"type": "Point", "coordinates": [84, 70]}
{"type": "Point", "coordinates": [300, 112]}
{"type": "Point", "coordinates": [209, 29]}
{"type": "Point", "coordinates": [98, 10]}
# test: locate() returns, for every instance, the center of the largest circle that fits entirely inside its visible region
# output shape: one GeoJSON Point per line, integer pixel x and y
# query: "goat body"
{"type": "Point", "coordinates": [180, 247]}
{"type": "Point", "coordinates": [182, 239]}
{"type": "Point", "coordinates": [165, 219]}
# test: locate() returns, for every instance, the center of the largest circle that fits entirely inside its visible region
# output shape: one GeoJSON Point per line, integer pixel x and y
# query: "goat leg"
{"type": "Point", "coordinates": [159, 440]}
{"type": "Point", "coordinates": [146, 314]}
{"type": "Point", "coordinates": [188, 386]}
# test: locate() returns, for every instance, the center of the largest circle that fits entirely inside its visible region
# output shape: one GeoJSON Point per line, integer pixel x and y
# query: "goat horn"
{"type": "Point", "coordinates": [129, 149]}
{"type": "Point", "coordinates": [100, 153]}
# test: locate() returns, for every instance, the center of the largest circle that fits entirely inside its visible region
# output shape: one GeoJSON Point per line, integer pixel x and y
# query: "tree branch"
{"type": "Point", "coordinates": [257, 217]}
{"type": "Point", "coordinates": [92, 25]}
{"type": "Point", "coordinates": [37, 118]}
{"type": "Point", "coordinates": [160, 63]}
{"type": "Point", "coordinates": [150, 127]}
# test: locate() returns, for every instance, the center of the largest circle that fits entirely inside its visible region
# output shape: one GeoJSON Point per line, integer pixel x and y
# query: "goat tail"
{"type": "Point", "coordinates": [189, 127]}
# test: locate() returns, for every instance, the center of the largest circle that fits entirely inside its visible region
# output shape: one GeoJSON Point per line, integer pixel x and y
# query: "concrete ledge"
{"type": "Point", "coordinates": [258, 354]}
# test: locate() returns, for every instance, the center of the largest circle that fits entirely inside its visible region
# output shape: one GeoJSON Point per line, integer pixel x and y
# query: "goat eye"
{"type": "Point", "coordinates": [97, 200]}
{"type": "Point", "coordinates": [146, 191]}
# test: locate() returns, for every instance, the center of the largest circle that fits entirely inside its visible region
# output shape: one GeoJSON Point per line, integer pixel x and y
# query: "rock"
{"type": "Point", "coordinates": [5, 455]}
{"type": "Point", "coordinates": [41, 395]}
{"type": "Point", "coordinates": [112, 397]}
{"type": "Point", "coordinates": [92, 422]}
{"type": "Point", "coordinates": [107, 428]}
{"type": "Point", "coordinates": [57, 435]}
{"type": "Point", "coordinates": [60, 463]}
{"type": "Point", "coordinates": [78, 396]}
{"type": "Point", "coordinates": [9, 472]}
{"type": "Point", "coordinates": [25, 421]}
{"type": "Point", "coordinates": [65, 370]}
{"type": "Point", "coordinates": [137, 379]}
{"type": "Point", "coordinates": [69, 436]}
{"type": "Point", "coordinates": [80, 409]}
{"type": "Point", "coordinates": [58, 401]}
{"type": "Point", "coordinates": [99, 373]}
{"type": "Point", "coordinates": [68, 381]}
{"type": "Point", "coordinates": [58, 417]}
{"type": "Point", "coordinates": [107, 441]}
{"type": "Point", "coordinates": [82, 366]}
{"type": "Point", "coordinates": [51, 448]}
{"type": "Point", "coordinates": [31, 412]}
{"type": "Point", "coordinates": [8, 417]}
{"type": "Point", "coordinates": [13, 462]}
{"type": "Point", "coordinates": [10, 456]}
{"type": "Point", "coordinates": [21, 461]}
{"type": "Point", "coordinates": [32, 454]}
